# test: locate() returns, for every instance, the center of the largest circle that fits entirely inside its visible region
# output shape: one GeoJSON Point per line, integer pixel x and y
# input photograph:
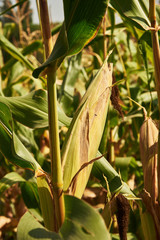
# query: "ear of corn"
{"type": "Point", "coordinates": [149, 156]}
{"type": "Point", "coordinates": [85, 132]}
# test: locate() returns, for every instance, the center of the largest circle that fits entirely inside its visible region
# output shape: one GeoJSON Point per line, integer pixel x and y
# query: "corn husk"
{"type": "Point", "coordinates": [148, 225]}
{"type": "Point", "coordinates": [46, 201]}
{"type": "Point", "coordinates": [85, 132]}
{"type": "Point", "coordinates": [149, 156]}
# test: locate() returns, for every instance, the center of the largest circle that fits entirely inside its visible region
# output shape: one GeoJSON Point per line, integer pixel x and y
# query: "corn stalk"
{"type": "Point", "coordinates": [156, 55]}
{"type": "Point", "coordinates": [155, 45]}
{"type": "Point", "coordinates": [56, 172]}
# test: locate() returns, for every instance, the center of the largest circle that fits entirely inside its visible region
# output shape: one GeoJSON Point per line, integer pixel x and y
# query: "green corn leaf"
{"type": "Point", "coordinates": [134, 12]}
{"type": "Point", "coordinates": [85, 224]}
{"type": "Point", "coordinates": [25, 51]}
{"type": "Point", "coordinates": [31, 110]}
{"type": "Point", "coordinates": [14, 52]}
{"type": "Point", "coordinates": [30, 195]}
{"type": "Point", "coordinates": [28, 189]}
{"type": "Point", "coordinates": [122, 165]}
{"type": "Point", "coordinates": [10, 146]}
{"type": "Point", "coordinates": [9, 179]}
{"type": "Point", "coordinates": [74, 78]}
{"type": "Point", "coordinates": [103, 168]}
{"type": "Point", "coordinates": [82, 20]}
{"type": "Point", "coordinates": [8, 28]}
{"type": "Point", "coordinates": [30, 229]}
{"type": "Point", "coordinates": [56, 29]}
{"type": "Point", "coordinates": [86, 130]}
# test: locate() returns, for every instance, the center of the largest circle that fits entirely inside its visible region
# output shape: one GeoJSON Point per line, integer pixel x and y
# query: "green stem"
{"type": "Point", "coordinates": [104, 38]}
{"type": "Point", "coordinates": [56, 170]}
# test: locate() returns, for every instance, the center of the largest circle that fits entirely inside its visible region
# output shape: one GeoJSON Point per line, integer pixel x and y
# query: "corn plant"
{"type": "Point", "coordinates": [78, 126]}
{"type": "Point", "coordinates": [50, 188]}
{"type": "Point", "coordinates": [149, 131]}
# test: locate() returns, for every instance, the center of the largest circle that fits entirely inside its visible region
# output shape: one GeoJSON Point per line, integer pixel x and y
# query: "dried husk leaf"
{"type": "Point", "coordinates": [84, 135]}
{"type": "Point", "coordinates": [150, 208]}
{"type": "Point", "coordinates": [149, 156]}
{"type": "Point", "coordinates": [148, 225]}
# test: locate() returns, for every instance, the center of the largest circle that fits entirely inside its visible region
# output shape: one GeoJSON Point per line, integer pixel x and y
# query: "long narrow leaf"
{"type": "Point", "coordinates": [10, 146]}
{"type": "Point", "coordinates": [85, 224]}
{"type": "Point", "coordinates": [134, 11]}
{"type": "Point", "coordinates": [14, 52]}
{"type": "Point", "coordinates": [103, 168]}
{"type": "Point", "coordinates": [82, 20]}
{"type": "Point", "coordinates": [25, 51]}
{"type": "Point", "coordinates": [31, 110]}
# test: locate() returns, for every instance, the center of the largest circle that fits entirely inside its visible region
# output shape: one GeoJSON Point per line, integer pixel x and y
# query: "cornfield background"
{"type": "Point", "coordinates": [79, 121]}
